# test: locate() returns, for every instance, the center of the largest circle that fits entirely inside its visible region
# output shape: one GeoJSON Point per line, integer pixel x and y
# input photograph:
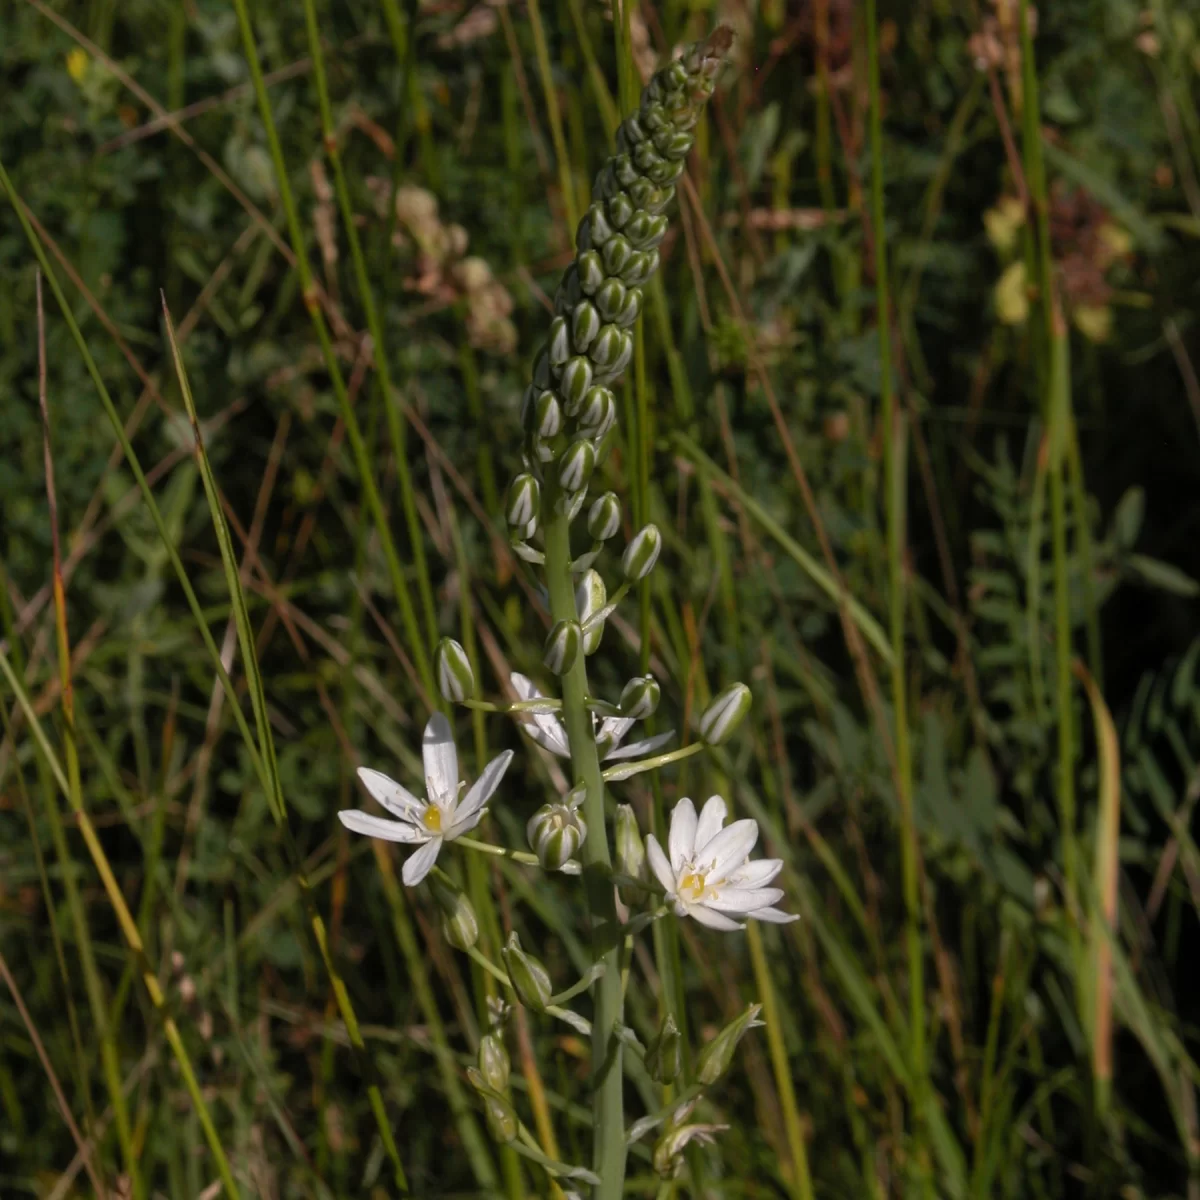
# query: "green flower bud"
{"type": "Point", "coordinates": [493, 1062]}
{"type": "Point", "coordinates": [544, 416]}
{"type": "Point", "coordinates": [642, 553]}
{"type": "Point", "coordinates": [645, 158]}
{"type": "Point", "coordinates": [610, 298]}
{"type": "Point", "coordinates": [605, 348]}
{"type": "Point", "coordinates": [725, 713]}
{"type": "Point", "coordinates": [598, 231]}
{"type": "Point", "coordinates": [640, 697]}
{"type": "Point", "coordinates": [501, 1118]}
{"type": "Point", "coordinates": [456, 680]}
{"type": "Point", "coordinates": [575, 381]}
{"type": "Point", "coordinates": [620, 209]}
{"type": "Point", "coordinates": [590, 271]}
{"type": "Point", "coordinates": [598, 414]}
{"type": "Point", "coordinates": [664, 1054]}
{"type": "Point", "coordinates": [541, 371]}
{"type": "Point", "coordinates": [639, 269]}
{"type": "Point", "coordinates": [585, 324]}
{"type": "Point", "coordinates": [530, 980]}
{"type": "Point", "coordinates": [668, 1154]}
{"type": "Point", "coordinates": [524, 501]}
{"type": "Point", "coordinates": [576, 465]}
{"type": "Point", "coordinates": [631, 851]}
{"type": "Point", "coordinates": [624, 355]}
{"type": "Point", "coordinates": [555, 833]}
{"type": "Point", "coordinates": [665, 172]}
{"type": "Point", "coordinates": [562, 647]}
{"type": "Point", "coordinates": [632, 308]}
{"type": "Point", "coordinates": [569, 293]}
{"type": "Point", "coordinates": [674, 145]}
{"type": "Point", "coordinates": [459, 925]}
{"type": "Point", "coordinates": [559, 346]}
{"type": "Point", "coordinates": [638, 228]}
{"type": "Point", "coordinates": [623, 170]}
{"type": "Point", "coordinates": [615, 253]}
{"type": "Point", "coordinates": [604, 517]}
{"type": "Point", "coordinates": [590, 597]}
{"type": "Point", "coordinates": [716, 1056]}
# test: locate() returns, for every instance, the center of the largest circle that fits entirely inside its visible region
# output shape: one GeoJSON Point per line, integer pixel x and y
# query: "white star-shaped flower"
{"type": "Point", "coordinates": [548, 731]}
{"type": "Point", "coordinates": [443, 816]}
{"type": "Point", "coordinates": [709, 875]}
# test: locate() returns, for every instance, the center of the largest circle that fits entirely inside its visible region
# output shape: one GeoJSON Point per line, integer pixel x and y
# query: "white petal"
{"type": "Point", "coordinates": [397, 800]}
{"type": "Point", "coordinates": [682, 839]}
{"type": "Point", "coordinates": [756, 874]}
{"type": "Point", "coordinates": [775, 917]}
{"type": "Point", "coordinates": [714, 920]}
{"type": "Point", "coordinates": [381, 827]}
{"type": "Point", "coordinates": [731, 847]}
{"type": "Point", "coordinates": [420, 862]}
{"type": "Point", "coordinates": [645, 746]}
{"type": "Point", "coordinates": [613, 729]}
{"type": "Point", "coordinates": [441, 762]}
{"type": "Point", "coordinates": [744, 900]}
{"type": "Point", "coordinates": [481, 790]}
{"type": "Point", "coordinates": [712, 817]}
{"type": "Point", "coordinates": [545, 728]}
{"type": "Point", "coordinates": [463, 825]}
{"type": "Point", "coordinates": [658, 863]}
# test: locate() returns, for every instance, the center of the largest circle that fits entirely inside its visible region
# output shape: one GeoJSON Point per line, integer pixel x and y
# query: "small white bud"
{"type": "Point", "coordinates": [460, 927]}
{"type": "Point", "coordinates": [576, 465]}
{"type": "Point", "coordinates": [642, 553]}
{"type": "Point", "coordinates": [524, 502]}
{"type": "Point", "coordinates": [631, 851]}
{"type": "Point", "coordinates": [530, 980]}
{"type": "Point", "coordinates": [455, 679]}
{"type": "Point", "coordinates": [640, 697]}
{"type": "Point", "coordinates": [716, 1056]}
{"type": "Point", "coordinates": [575, 381]}
{"type": "Point", "coordinates": [544, 416]}
{"type": "Point", "coordinates": [725, 713]}
{"type": "Point", "coordinates": [494, 1065]}
{"type": "Point", "coordinates": [555, 833]}
{"type": "Point", "coordinates": [598, 414]}
{"type": "Point", "coordinates": [590, 597]}
{"type": "Point", "coordinates": [562, 647]}
{"type": "Point", "coordinates": [604, 516]}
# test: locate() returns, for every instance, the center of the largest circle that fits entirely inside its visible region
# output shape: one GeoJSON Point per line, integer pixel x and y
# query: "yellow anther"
{"type": "Point", "coordinates": [691, 885]}
{"type": "Point", "coordinates": [431, 818]}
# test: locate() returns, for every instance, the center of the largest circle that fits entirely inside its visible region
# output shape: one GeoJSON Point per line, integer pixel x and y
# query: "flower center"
{"type": "Point", "coordinates": [431, 818]}
{"type": "Point", "coordinates": [691, 885]}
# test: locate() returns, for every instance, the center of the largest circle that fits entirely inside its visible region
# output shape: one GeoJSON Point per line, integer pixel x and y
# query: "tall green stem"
{"type": "Point", "coordinates": [894, 489]}
{"type": "Point", "coordinates": [608, 1157]}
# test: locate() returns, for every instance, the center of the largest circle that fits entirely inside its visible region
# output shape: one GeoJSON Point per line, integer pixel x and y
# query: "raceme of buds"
{"type": "Point", "coordinates": [642, 553]}
{"type": "Point", "coordinates": [459, 924]}
{"type": "Point", "coordinates": [639, 697]}
{"type": "Point", "coordinates": [631, 851]}
{"type": "Point", "coordinates": [716, 1056]}
{"type": "Point", "coordinates": [493, 1061]}
{"type": "Point", "coordinates": [501, 1117]}
{"type": "Point", "coordinates": [530, 980]}
{"type": "Point", "coordinates": [725, 713]}
{"type": "Point", "coordinates": [604, 517]}
{"type": "Point", "coordinates": [590, 597]}
{"type": "Point", "coordinates": [562, 647]}
{"type": "Point", "coordinates": [555, 833]}
{"type": "Point", "coordinates": [664, 1054]}
{"type": "Point", "coordinates": [523, 505]}
{"type": "Point", "coordinates": [455, 679]}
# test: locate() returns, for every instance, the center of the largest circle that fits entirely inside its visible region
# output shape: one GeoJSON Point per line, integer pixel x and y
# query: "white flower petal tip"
{"type": "Point", "coordinates": [446, 813]}
{"type": "Point", "coordinates": [706, 871]}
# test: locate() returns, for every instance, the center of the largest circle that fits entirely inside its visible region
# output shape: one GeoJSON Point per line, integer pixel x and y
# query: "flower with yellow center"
{"type": "Point", "coordinates": [443, 816]}
{"type": "Point", "coordinates": [708, 875]}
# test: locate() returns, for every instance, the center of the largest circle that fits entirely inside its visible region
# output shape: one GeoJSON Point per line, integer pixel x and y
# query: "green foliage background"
{"type": "Point", "coordinates": [769, 276]}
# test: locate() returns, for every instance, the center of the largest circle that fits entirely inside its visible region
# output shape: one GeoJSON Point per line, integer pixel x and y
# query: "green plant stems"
{"type": "Point", "coordinates": [554, 116]}
{"type": "Point", "coordinates": [894, 497]}
{"type": "Point", "coordinates": [608, 1157]}
{"type": "Point", "coordinates": [397, 427]}
{"type": "Point", "coordinates": [416, 642]}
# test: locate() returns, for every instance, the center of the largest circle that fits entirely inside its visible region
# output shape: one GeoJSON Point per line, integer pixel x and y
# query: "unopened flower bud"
{"type": "Point", "coordinates": [501, 1117]}
{"type": "Point", "coordinates": [668, 1154]}
{"type": "Point", "coordinates": [523, 503]}
{"type": "Point", "coordinates": [639, 697]}
{"type": "Point", "coordinates": [544, 416]}
{"type": "Point", "coordinates": [555, 833]}
{"type": "Point", "coordinates": [459, 924]}
{"type": "Point", "coordinates": [590, 597]}
{"type": "Point", "coordinates": [598, 413]}
{"type": "Point", "coordinates": [575, 381]}
{"type": "Point", "coordinates": [493, 1062]}
{"type": "Point", "coordinates": [604, 517]}
{"type": "Point", "coordinates": [631, 852]}
{"type": "Point", "coordinates": [725, 713]}
{"type": "Point", "coordinates": [716, 1056]}
{"type": "Point", "coordinates": [455, 679]}
{"type": "Point", "coordinates": [530, 980]}
{"type": "Point", "coordinates": [664, 1054]}
{"type": "Point", "coordinates": [576, 465]}
{"type": "Point", "coordinates": [562, 647]}
{"type": "Point", "coordinates": [642, 553]}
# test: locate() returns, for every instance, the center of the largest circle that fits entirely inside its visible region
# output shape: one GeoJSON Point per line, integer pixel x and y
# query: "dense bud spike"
{"type": "Point", "coordinates": [455, 679]}
{"type": "Point", "coordinates": [725, 713]}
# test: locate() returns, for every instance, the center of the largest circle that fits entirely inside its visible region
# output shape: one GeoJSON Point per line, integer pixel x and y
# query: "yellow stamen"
{"type": "Point", "coordinates": [431, 818]}
{"type": "Point", "coordinates": [691, 885]}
